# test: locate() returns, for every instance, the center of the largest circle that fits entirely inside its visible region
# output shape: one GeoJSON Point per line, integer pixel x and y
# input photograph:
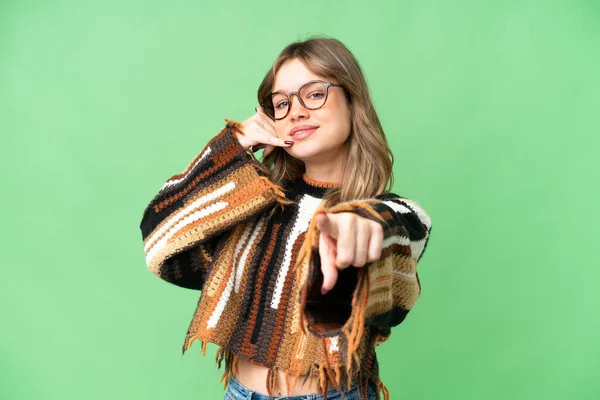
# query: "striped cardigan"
{"type": "Point", "coordinates": [251, 247]}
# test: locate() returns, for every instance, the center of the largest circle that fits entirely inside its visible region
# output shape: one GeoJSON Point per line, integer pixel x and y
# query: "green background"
{"type": "Point", "coordinates": [491, 109]}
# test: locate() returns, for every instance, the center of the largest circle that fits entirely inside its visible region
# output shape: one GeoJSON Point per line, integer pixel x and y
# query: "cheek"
{"type": "Point", "coordinates": [345, 124]}
{"type": "Point", "coordinates": [279, 130]}
{"type": "Point", "coordinates": [342, 115]}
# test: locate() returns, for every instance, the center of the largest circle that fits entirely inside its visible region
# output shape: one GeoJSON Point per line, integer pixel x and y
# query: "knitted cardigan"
{"type": "Point", "coordinates": [251, 247]}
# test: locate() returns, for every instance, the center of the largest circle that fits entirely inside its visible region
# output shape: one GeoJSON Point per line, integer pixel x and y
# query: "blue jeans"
{"type": "Point", "coordinates": [237, 391]}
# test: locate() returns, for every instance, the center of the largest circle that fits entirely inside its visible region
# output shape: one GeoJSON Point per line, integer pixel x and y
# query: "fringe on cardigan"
{"type": "Point", "coordinates": [323, 374]}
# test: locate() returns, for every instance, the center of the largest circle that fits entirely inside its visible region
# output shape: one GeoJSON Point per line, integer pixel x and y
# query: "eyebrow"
{"type": "Point", "coordinates": [287, 91]}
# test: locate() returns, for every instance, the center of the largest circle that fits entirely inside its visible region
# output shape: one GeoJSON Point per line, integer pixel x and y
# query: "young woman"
{"type": "Point", "coordinates": [305, 260]}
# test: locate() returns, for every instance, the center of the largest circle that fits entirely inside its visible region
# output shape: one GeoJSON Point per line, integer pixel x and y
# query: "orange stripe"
{"type": "Point", "coordinates": [220, 159]}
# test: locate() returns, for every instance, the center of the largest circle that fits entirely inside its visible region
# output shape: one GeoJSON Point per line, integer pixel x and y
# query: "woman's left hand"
{"type": "Point", "coordinates": [346, 239]}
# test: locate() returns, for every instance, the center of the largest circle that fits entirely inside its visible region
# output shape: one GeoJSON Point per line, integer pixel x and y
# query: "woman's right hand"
{"type": "Point", "coordinates": [259, 133]}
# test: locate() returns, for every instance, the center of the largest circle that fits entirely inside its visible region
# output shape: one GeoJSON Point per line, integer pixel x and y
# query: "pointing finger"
{"type": "Point", "coordinates": [325, 224]}
{"type": "Point", "coordinates": [330, 273]}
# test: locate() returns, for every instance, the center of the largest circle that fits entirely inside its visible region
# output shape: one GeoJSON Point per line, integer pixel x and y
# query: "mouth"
{"type": "Point", "coordinates": [304, 133]}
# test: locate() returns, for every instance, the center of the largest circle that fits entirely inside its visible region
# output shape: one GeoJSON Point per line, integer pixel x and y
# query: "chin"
{"type": "Point", "coordinates": [312, 157]}
{"type": "Point", "coordinates": [304, 153]}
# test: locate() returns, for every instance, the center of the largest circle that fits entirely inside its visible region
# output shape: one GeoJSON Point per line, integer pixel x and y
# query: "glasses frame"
{"type": "Point", "coordinates": [297, 93]}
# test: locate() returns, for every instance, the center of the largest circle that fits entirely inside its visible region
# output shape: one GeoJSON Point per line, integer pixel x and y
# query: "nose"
{"type": "Point", "coordinates": [297, 110]}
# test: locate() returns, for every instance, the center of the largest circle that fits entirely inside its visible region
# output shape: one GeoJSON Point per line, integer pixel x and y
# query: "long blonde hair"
{"type": "Point", "coordinates": [369, 164]}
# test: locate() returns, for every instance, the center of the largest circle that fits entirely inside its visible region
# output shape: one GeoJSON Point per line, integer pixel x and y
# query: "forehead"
{"type": "Point", "coordinates": [291, 75]}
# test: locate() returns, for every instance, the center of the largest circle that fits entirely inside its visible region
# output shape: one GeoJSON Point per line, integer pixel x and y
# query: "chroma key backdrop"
{"type": "Point", "coordinates": [490, 108]}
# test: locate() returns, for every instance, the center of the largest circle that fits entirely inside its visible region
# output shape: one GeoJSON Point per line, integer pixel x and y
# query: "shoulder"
{"type": "Point", "coordinates": [405, 205]}
{"type": "Point", "coordinates": [386, 196]}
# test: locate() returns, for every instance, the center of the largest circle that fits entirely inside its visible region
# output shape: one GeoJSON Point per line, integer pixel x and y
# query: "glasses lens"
{"type": "Point", "coordinates": [313, 94]}
{"type": "Point", "coordinates": [280, 105]}
{"type": "Point", "coordinates": [268, 107]}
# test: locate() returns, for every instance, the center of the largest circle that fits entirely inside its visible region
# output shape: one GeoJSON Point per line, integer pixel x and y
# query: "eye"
{"type": "Point", "coordinates": [281, 104]}
{"type": "Point", "coordinates": [316, 95]}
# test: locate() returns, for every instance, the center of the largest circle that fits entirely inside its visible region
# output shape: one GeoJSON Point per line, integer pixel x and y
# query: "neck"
{"type": "Point", "coordinates": [331, 170]}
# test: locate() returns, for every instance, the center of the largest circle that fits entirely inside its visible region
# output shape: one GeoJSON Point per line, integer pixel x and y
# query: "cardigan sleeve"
{"type": "Point", "coordinates": [379, 294]}
{"type": "Point", "coordinates": [194, 210]}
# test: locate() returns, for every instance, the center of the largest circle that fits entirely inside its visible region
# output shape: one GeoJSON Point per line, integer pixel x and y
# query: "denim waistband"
{"type": "Point", "coordinates": [241, 392]}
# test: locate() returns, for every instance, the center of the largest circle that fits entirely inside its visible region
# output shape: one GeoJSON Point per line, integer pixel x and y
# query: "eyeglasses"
{"type": "Point", "coordinates": [312, 95]}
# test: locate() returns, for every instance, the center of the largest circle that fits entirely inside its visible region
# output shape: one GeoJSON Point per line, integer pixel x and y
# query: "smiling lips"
{"type": "Point", "coordinates": [303, 131]}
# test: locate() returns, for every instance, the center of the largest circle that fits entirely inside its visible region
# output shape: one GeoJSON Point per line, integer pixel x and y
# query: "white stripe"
{"type": "Point", "coordinates": [242, 263]}
{"type": "Point", "coordinates": [198, 202]}
{"type": "Point", "coordinates": [236, 275]}
{"type": "Point", "coordinates": [176, 181]}
{"type": "Point", "coordinates": [236, 253]}
{"type": "Point", "coordinates": [421, 213]}
{"type": "Point", "coordinates": [416, 246]}
{"type": "Point", "coordinates": [181, 224]}
{"type": "Point", "coordinates": [334, 344]}
{"type": "Point", "coordinates": [306, 208]}
{"type": "Point", "coordinates": [396, 239]}
{"type": "Point", "coordinates": [413, 207]}
{"type": "Point", "coordinates": [403, 274]}
{"type": "Point", "coordinates": [218, 311]}
{"type": "Point", "coordinates": [240, 244]}
{"type": "Point", "coordinates": [399, 208]}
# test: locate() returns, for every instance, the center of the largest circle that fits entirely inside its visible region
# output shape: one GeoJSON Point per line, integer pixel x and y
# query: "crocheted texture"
{"type": "Point", "coordinates": [209, 229]}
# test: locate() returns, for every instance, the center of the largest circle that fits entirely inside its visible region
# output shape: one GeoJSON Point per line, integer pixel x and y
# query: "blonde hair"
{"type": "Point", "coordinates": [368, 169]}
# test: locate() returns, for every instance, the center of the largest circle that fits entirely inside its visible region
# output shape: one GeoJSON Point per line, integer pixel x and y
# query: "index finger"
{"type": "Point", "coordinates": [271, 138]}
{"type": "Point", "coordinates": [328, 268]}
{"type": "Point", "coordinates": [275, 141]}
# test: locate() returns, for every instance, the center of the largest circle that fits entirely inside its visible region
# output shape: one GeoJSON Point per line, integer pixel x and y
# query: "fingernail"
{"type": "Point", "coordinates": [288, 142]}
{"type": "Point", "coordinates": [323, 291]}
